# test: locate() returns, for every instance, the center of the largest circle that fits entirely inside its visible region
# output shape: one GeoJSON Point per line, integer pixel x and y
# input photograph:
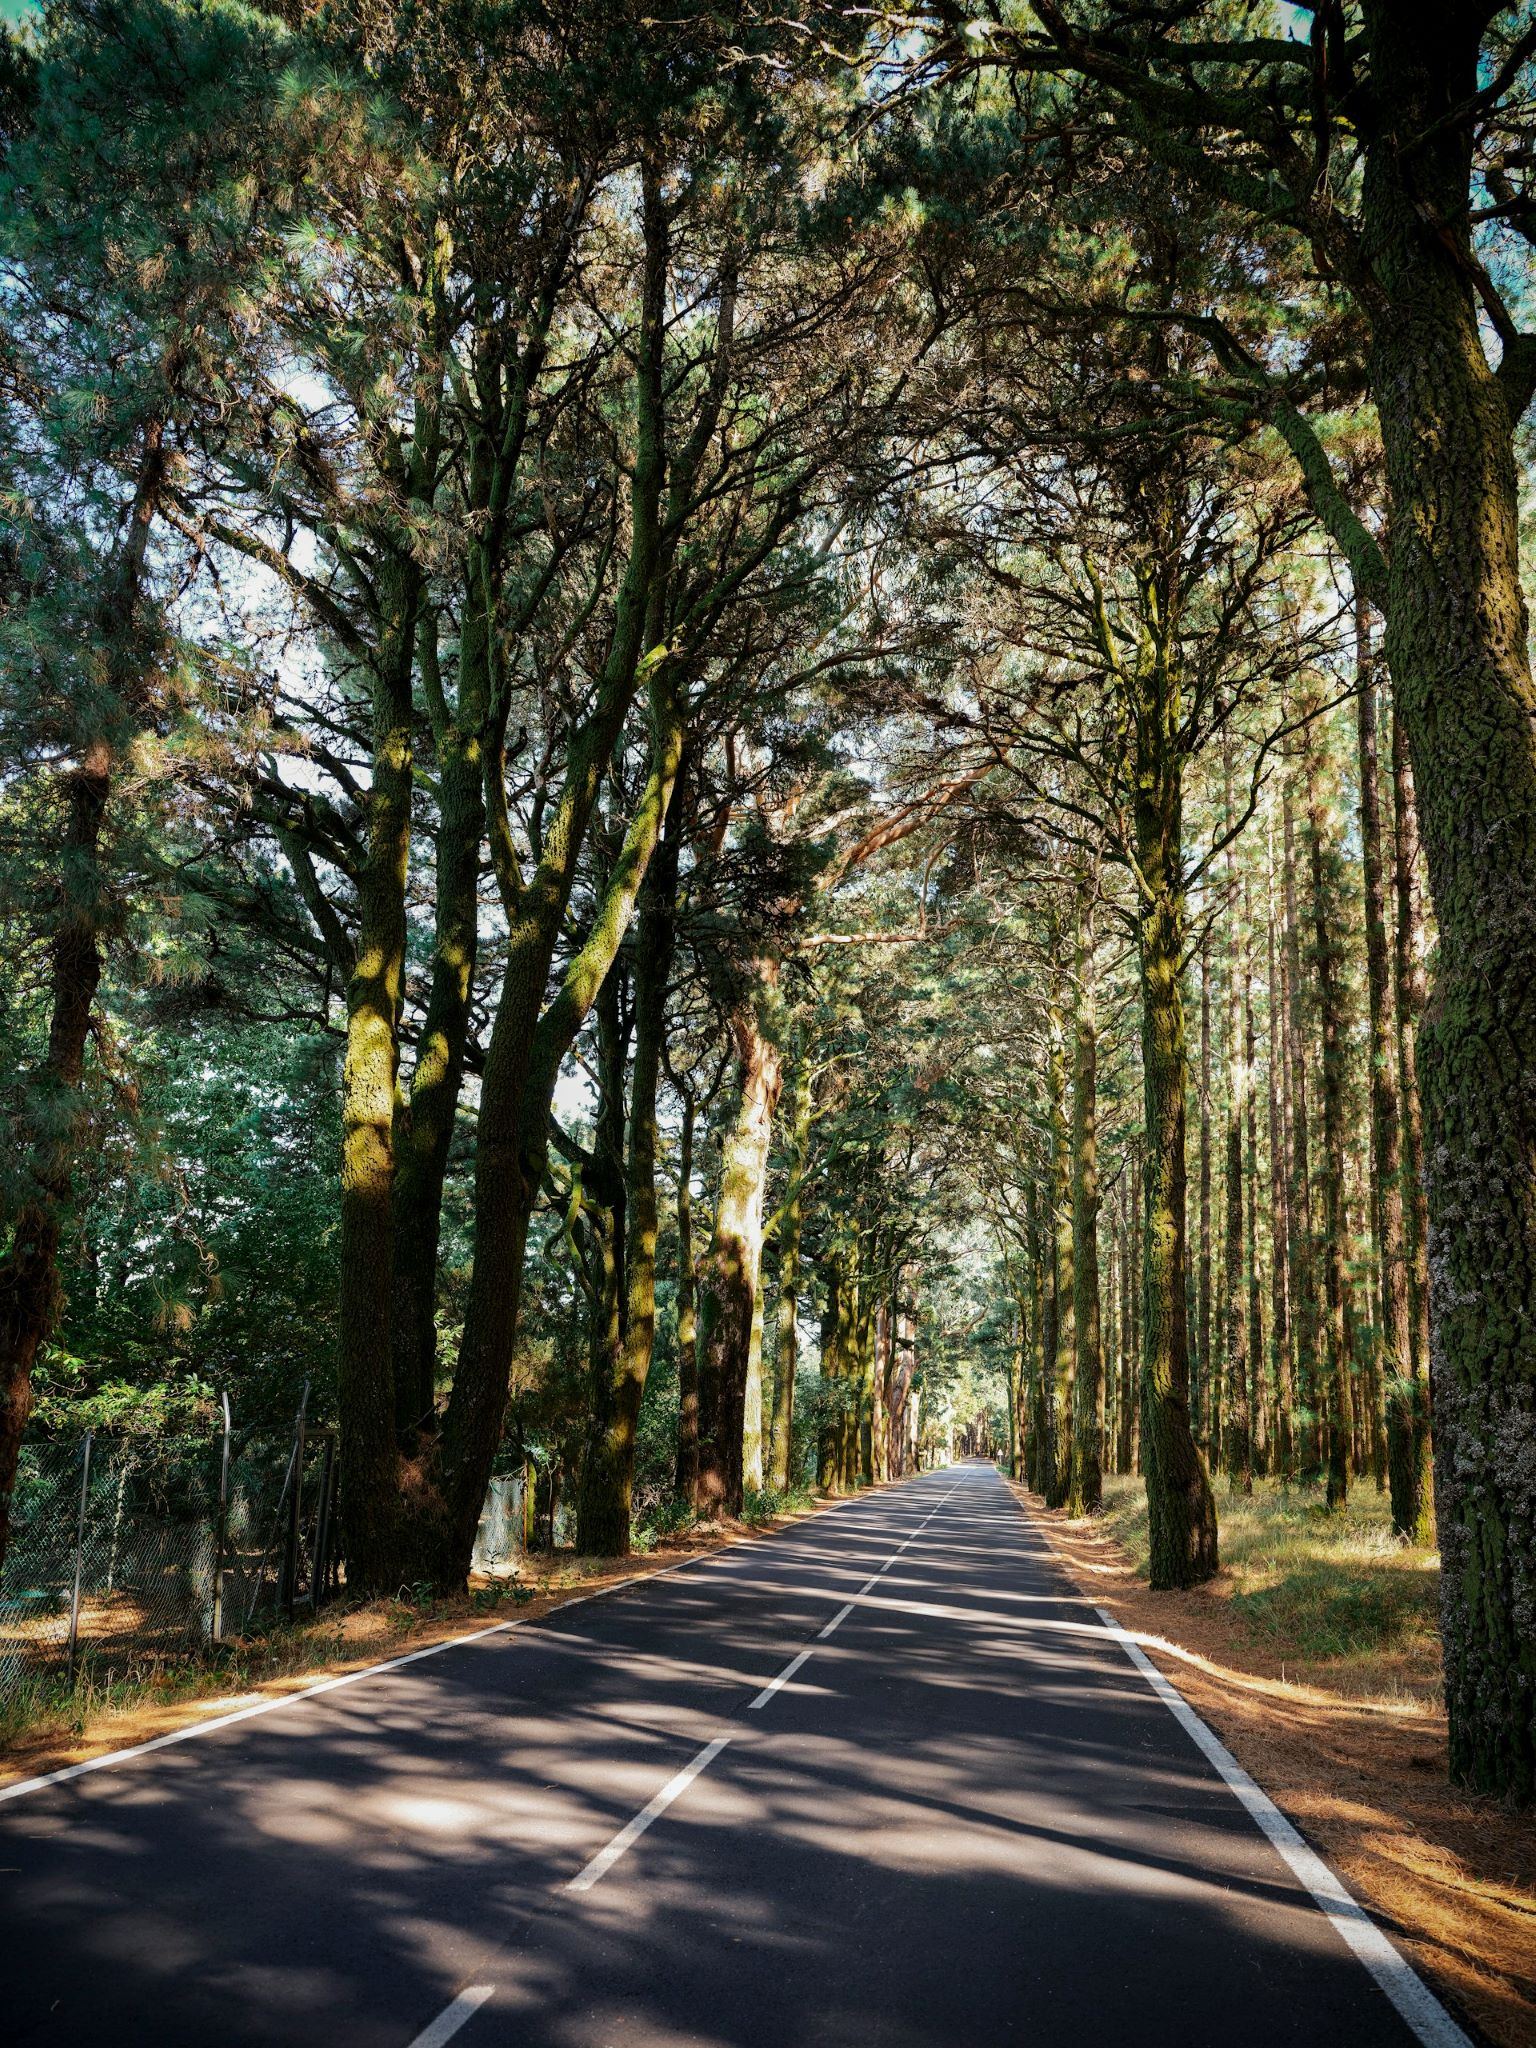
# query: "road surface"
{"type": "Point", "coordinates": [883, 1778]}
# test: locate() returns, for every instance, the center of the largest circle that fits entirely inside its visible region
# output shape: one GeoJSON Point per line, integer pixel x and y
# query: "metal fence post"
{"type": "Point", "coordinates": [74, 1598]}
{"type": "Point", "coordinates": [220, 1536]}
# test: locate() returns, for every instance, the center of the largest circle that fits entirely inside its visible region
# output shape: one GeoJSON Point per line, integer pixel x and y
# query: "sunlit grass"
{"type": "Point", "coordinates": [1307, 1584]}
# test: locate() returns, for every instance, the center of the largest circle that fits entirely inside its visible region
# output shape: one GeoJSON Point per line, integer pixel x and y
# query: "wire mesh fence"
{"type": "Point", "coordinates": [128, 1551]}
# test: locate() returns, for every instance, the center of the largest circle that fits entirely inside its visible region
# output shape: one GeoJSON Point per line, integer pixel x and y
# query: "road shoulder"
{"type": "Point", "coordinates": [1452, 1878]}
{"type": "Point", "coordinates": [350, 1642]}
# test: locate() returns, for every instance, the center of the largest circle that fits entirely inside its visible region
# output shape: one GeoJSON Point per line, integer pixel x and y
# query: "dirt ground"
{"type": "Point", "coordinates": [1451, 1877]}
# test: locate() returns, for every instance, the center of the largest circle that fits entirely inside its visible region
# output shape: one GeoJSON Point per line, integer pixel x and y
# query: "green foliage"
{"type": "Point", "coordinates": [205, 1255]}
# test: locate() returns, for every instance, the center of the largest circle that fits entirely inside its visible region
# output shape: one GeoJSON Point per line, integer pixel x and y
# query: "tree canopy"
{"type": "Point", "coordinates": [742, 748]}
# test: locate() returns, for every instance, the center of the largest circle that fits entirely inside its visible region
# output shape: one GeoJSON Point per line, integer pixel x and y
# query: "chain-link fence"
{"type": "Point", "coordinates": [129, 1550]}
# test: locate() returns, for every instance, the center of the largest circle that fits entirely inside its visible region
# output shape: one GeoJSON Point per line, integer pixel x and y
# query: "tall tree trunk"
{"type": "Point", "coordinates": [752, 1407]}
{"type": "Point", "coordinates": [1059, 1486]}
{"type": "Point", "coordinates": [424, 1119]}
{"type": "Point", "coordinates": [1279, 1193]}
{"type": "Point", "coordinates": [1457, 651]}
{"type": "Point", "coordinates": [687, 1475]}
{"type": "Point", "coordinates": [1236, 1422]}
{"type": "Point", "coordinates": [603, 1517]}
{"type": "Point", "coordinates": [531, 1036]}
{"type": "Point", "coordinates": [1043, 1347]}
{"type": "Point", "coordinates": [370, 1461]}
{"type": "Point", "coordinates": [1409, 1491]}
{"type": "Point", "coordinates": [1258, 1401]}
{"type": "Point", "coordinates": [1330, 998]}
{"type": "Point", "coordinates": [1126, 1449]}
{"type": "Point", "coordinates": [1409, 993]}
{"type": "Point", "coordinates": [732, 1271]}
{"type": "Point", "coordinates": [1181, 1510]}
{"type": "Point", "coordinates": [1302, 1263]}
{"type": "Point", "coordinates": [1087, 1492]}
{"type": "Point", "coordinates": [789, 1279]}
{"type": "Point", "coordinates": [1205, 1357]}
{"type": "Point", "coordinates": [834, 1347]}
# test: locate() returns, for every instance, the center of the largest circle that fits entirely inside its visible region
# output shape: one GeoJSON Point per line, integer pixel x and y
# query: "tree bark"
{"type": "Point", "coordinates": [1303, 1268]}
{"type": "Point", "coordinates": [1204, 1377]}
{"type": "Point", "coordinates": [1330, 999]}
{"type": "Point", "coordinates": [1059, 1488]}
{"type": "Point", "coordinates": [1236, 1439]}
{"type": "Point", "coordinates": [1087, 1492]}
{"type": "Point", "coordinates": [1457, 651]}
{"type": "Point", "coordinates": [603, 1513]}
{"type": "Point", "coordinates": [1279, 1197]}
{"type": "Point", "coordinates": [1407, 1477]}
{"type": "Point", "coordinates": [687, 1476]}
{"type": "Point", "coordinates": [1258, 1403]}
{"type": "Point", "coordinates": [1181, 1509]}
{"type": "Point", "coordinates": [788, 1345]}
{"type": "Point", "coordinates": [732, 1272]}
{"type": "Point", "coordinates": [370, 1459]}
{"type": "Point", "coordinates": [1409, 995]}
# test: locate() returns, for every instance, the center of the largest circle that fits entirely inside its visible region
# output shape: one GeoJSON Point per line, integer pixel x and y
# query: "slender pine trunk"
{"type": "Point", "coordinates": [1302, 1262]}
{"type": "Point", "coordinates": [1329, 968]}
{"type": "Point", "coordinates": [1279, 1193]}
{"type": "Point", "coordinates": [1086, 1494]}
{"type": "Point", "coordinates": [789, 1279]}
{"type": "Point", "coordinates": [1258, 1401]}
{"type": "Point", "coordinates": [1181, 1508]}
{"type": "Point", "coordinates": [1413, 1473]}
{"type": "Point", "coordinates": [686, 1479]}
{"type": "Point", "coordinates": [1064, 1358]}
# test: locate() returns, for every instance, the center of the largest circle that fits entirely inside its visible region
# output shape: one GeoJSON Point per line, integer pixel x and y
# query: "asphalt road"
{"type": "Point", "coordinates": [965, 1817]}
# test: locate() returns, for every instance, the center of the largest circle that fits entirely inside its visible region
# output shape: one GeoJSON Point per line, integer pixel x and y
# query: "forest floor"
{"type": "Point", "coordinates": [50, 1727]}
{"type": "Point", "coordinates": [1314, 1655]}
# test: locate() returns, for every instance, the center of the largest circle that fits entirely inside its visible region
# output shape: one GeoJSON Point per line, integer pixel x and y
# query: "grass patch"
{"type": "Point", "coordinates": [1306, 1584]}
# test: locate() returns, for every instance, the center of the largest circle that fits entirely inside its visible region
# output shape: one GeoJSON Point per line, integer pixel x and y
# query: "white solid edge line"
{"type": "Point", "coordinates": [66, 1772]}
{"type": "Point", "coordinates": [631, 1832]}
{"type": "Point", "coordinates": [773, 1684]}
{"type": "Point", "coordinates": [1408, 1992]}
{"type": "Point", "coordinates": [452, 2017]}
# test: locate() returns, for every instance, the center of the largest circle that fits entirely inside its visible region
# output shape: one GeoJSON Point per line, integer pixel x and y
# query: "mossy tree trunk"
{"type": "Point", "coordinates": [1063, 1355]}
{"type": "Point", "coordinates": [1457, 650]}
{"type": "Point", "coordinates": [370, 1460]}
{"type": "Point", "coordinates": [1180, 1506]}
{"type": "Point", "coordinates": [1087, 1491]}
{"type": "Point", "coordinates": [686, 1478]}
{"type": "Point", "coordinates": [620, 1369]}
{"type": "Point", "coordinates": [790, 1228]}
{"type": "Point", "coordinates": [733, 1268]}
